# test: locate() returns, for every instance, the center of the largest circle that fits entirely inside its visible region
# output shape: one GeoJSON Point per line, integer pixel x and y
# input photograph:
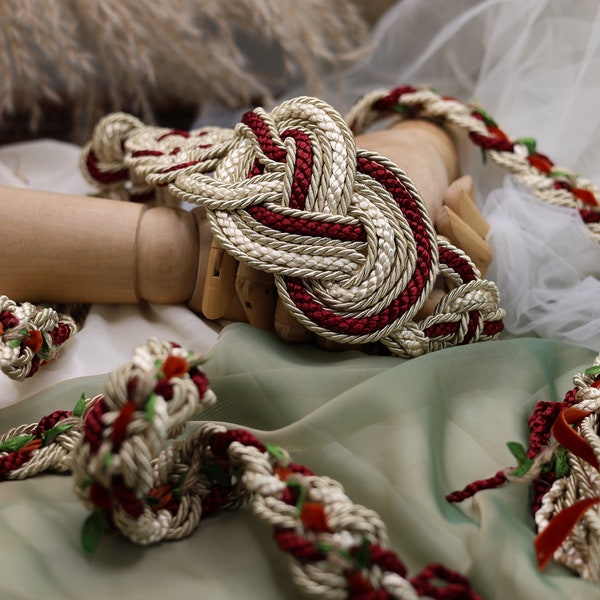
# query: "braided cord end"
{"type": "Point", "coordinates": [30, 336]}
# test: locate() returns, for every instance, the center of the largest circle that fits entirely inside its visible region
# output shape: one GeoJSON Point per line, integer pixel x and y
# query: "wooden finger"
{"type": "Point", "coordinates": [450, 225]}
{"type": "Point", "coordinates": [220, 300]}
{"type": "Point", "coordinates": [258, 296]}
{"type": "Point", "coordinates": [333, 346]}
{"type": "Point", "coordinates": [460, 198]}
{"type": "Point", "coordinates": [288, 328]}
{"type": "Point", "coordinates": [429, 305]}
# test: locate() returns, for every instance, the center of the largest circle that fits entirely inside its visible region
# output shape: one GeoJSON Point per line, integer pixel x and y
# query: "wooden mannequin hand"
{"type": "Point", "coordinates": [60, 248]}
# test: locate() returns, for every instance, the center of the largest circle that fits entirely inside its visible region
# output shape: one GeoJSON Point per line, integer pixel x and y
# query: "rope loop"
{"type": "Point", "coordinates": [343, 230]}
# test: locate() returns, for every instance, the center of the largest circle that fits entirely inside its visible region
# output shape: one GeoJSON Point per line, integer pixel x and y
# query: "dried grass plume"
{"type": "Point", "coordinates": [141, 55]}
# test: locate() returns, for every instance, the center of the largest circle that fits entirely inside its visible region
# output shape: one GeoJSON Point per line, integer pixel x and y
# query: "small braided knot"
{"type": "Point", "coordinates": [124, 466]}
{"type": "Point", "coordinates": [102, 158]}
{"type": "Point", "coordinates": [105, 159]}
{"type": "Point", "coordinates": [535, 171]}
{"type": "Point", "coordinates": [30, 336]}
{"type": "Point", "coordinates": [343, 230]}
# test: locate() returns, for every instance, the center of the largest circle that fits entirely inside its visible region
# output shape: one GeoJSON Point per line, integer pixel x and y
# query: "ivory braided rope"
{"type": "Point", "coordinates": [563, 464]}
{"type": "Point", "coordinates": [556, 185]}
{"type": "Point", "coordinates": [343, 230]}
{"type": "Point", "coordinates": [138, 475]}
{"type": "Point", "coordinates": [30, 336]}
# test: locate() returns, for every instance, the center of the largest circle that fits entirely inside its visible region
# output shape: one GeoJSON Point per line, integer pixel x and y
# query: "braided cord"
{"type": "Point", "coordinates": [562, 463]}
{"type": "Point", "coordinates": [137, 475]}
{"type": "Point", "coordinates": [535, 171]}
{"type": "Point", "coordinates": [30, 336]}
{"type": "Point", "coordinates": [290, 194]}
{"type": "Point", "coordinates": [343, 230]}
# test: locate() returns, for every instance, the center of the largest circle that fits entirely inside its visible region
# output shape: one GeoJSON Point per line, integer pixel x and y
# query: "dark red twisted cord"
{"type": "Point", "coordinates": [457, 586]}
{"type": "Point", "coordinates": [51, 420]}
{"type": "Point", "coordinates": [104, 177]}
{"type": "Point", "coordinates": [481, 484]}
{"type": "Point", "coordinates": [12, 461]}
{"type": "Point", "coordinates": [220, 442]}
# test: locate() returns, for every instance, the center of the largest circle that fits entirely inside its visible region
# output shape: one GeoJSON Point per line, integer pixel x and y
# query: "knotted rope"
{"type": "Point", "coordinates": [563, 464]}
{"type": "Point", "coordinates": [137, 475]}
{"type": "Point", "coordinates": [30, 336]}
{"type": "Point", "coordinates": [276, 184]}
{"type": "Point", "coordinates": [343, 230]}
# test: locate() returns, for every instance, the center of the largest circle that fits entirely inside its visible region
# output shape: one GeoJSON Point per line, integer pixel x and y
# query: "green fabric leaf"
{"type": "Point", "coordinates": [15, 443]}
{"type": "Point", "coordinates": [561, 462]}
{"type": "Point", "coordinates": [362, 555]}
{"type": "Point", "coordinates": [150, 407]}
{"type": "Point", "coordinates": [302, 493]}
{"type": "Point", "coordinates": [529, 143]}
{"type": "Point", "coordinates": [59, 428]}
{"type": "Point", "coordinates": [487, 119]}
{"type": "Point", "coordinates": [593, 371]}
{"type": "Point", "coordinates": [522, 468]}
{"type": "Point", "coordinates": [523, 461]}
{"type": "Point", "coordinates": [93, 528]}
{"type": "Point", "coordinates": [79, 409]}
{"type": "Point", "coordinates": [518, 451]}
{"type": "Point", "coordinates": [275, 451]}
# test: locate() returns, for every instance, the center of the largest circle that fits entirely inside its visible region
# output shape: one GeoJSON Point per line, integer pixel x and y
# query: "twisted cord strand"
{"type": "Point", "coordinates": [138, 475]}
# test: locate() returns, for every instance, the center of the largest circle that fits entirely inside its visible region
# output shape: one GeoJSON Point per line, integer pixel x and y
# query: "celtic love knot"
{"type": "Point", "coordinates": [343, 230]}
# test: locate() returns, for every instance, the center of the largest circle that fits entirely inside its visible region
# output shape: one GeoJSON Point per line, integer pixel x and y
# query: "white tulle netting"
{"type": "Point", "coordinates": [535, 67]}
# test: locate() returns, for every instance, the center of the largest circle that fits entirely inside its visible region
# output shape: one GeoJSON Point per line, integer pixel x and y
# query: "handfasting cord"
{"type": "Point", "coordinates": [303, 192]}
{"type": "Point", "coordinates": [343, 230]}
{"type": "Point", "coordinates": [535, 171]}
{"type": "Point", "coordinates": [31, 335]}
{"type": "Point", "coordinates": [563, 465]}
{"type": "Point", "coordinates": [138, 475]}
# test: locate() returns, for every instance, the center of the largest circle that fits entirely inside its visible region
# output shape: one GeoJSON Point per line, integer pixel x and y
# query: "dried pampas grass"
{"type": "Point", "coordinates": [144, 55]}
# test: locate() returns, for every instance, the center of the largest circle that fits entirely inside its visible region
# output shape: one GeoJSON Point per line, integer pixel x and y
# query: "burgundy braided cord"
{"type": "Point", "coordinates": [540, 425]}
{"type": "Point", "coordinates": [457, 586]}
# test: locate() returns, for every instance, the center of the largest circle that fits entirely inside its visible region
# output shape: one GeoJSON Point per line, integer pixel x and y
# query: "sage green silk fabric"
{"type": "Point", "coordinates": [399, 435]}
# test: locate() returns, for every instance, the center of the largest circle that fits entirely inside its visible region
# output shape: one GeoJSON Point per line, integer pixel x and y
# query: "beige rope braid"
{"type": "Point", "coordinates": [580, 550]}
{"type": "Point", "coordinates": [559, 186]}
{"type": "Point", "coordinates": [563, 465]}
{"type": "Point", "coordinates": [30, 336]}
{"type": "Point", "coordinates": [343, 230]}
{"type": "Point", "coordinates": [135, 472]}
